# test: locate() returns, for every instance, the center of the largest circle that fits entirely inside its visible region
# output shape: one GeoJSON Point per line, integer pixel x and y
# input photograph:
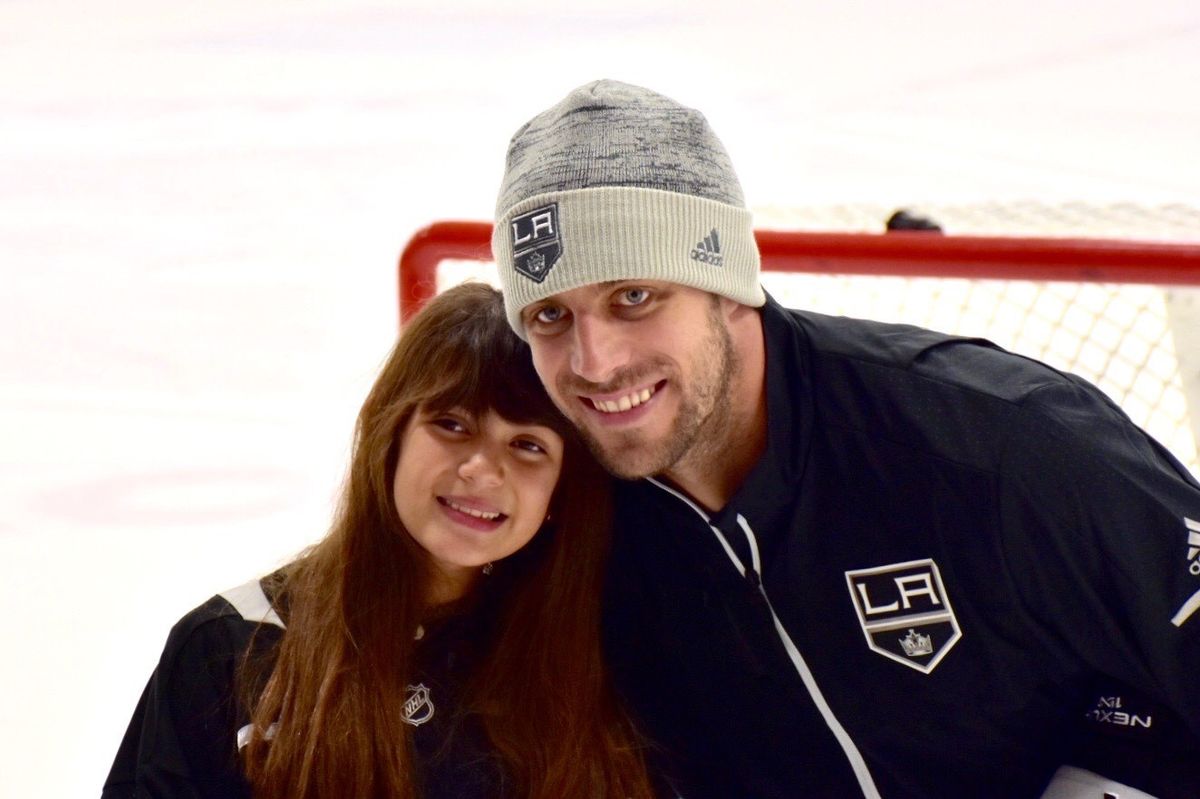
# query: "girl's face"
{"type": "Point", "coordinates": [472, 490]}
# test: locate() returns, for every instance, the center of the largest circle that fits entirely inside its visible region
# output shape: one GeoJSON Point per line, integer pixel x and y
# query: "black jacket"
{"type": "Point", "coordinates": [954, 570]}
{"type": "Point", "coordinates": [182, 742]}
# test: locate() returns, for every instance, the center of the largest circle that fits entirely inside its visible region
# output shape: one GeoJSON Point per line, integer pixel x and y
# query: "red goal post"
{"type": "Point", "coordinates": [903, 253]}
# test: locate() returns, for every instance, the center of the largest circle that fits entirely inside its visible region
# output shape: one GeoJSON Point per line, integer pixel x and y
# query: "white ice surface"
{"type": "Point", "coordinates": [201, 206]}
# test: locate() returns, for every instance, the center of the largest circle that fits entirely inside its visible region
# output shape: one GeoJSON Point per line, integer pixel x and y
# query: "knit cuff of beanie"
{"type": "Point", "coordinates": [557, 241]}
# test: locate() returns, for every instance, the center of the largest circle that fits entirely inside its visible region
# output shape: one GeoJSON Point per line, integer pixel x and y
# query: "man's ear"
{"type": "Point", "coordinates": [744, 323]}
{"type": "Point", "coordinates": [734, 311]}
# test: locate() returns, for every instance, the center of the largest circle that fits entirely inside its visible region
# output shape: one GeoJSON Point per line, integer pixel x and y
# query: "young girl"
{"type": "Point", "coordinates": [443, 639]}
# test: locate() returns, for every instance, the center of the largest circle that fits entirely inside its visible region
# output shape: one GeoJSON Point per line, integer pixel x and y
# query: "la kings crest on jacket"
{"type": "Point", "coordinates": [905, 596]}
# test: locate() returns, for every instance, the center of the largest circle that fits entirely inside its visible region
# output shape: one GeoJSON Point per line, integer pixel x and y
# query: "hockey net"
{"type": "Point", "coordinates": [1135, 334]}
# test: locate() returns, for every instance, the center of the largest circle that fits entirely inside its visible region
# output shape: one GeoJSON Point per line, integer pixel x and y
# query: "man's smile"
{"type": "Point", "coordinates": [625, 401]}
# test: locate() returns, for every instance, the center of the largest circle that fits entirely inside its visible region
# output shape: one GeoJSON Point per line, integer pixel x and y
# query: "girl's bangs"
{"type": "Point", "coordinates": [498, 379]}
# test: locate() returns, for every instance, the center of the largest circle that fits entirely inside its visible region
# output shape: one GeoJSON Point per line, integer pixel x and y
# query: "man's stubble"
{"type": "Point", "coordinates": [702, 427]}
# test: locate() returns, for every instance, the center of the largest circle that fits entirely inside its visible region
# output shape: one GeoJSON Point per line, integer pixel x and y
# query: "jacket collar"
{"type": "Point", "coordinates": [767, 494]}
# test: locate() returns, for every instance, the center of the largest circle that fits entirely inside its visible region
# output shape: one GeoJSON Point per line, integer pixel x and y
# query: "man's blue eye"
{"type": "Point", "coordinates": [549, 314]}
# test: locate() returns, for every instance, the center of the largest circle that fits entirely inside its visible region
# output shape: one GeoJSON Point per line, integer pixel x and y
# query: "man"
{"type": "Point", "coordinates": [850, 558]}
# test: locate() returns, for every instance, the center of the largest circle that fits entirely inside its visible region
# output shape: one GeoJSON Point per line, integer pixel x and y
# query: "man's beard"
{"type": "Point", "coordinates": [701, 427]}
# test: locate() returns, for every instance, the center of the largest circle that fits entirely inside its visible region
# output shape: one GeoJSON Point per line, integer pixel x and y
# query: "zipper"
{"type": "Point", "coordinates": [865, 782]}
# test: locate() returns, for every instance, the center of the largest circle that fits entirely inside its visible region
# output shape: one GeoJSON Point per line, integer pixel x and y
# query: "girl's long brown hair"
{"type": "Point", "coordinates": [337, 686]}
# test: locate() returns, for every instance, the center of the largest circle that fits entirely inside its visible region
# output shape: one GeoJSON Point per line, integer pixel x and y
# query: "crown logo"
{"type": "Point", "coordinates": [536, 263]}
{"type": "Point", "coordinates": [915, 644]}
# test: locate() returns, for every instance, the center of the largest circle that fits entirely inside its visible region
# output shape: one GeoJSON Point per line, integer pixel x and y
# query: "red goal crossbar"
{"type": "Point", "coordinates": [905, 253]}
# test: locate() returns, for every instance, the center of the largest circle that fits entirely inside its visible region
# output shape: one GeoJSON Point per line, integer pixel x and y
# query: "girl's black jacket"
{"type": "Point", "coordinates": [953, 571]}
{"type": "Point", "coordinates": [183, 740]}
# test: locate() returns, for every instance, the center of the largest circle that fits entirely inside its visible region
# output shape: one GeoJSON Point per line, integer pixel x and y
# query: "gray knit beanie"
{"type": "Point", "coordinates": [617, 182]}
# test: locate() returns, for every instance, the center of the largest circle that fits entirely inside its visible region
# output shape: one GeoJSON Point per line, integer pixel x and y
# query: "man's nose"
{"type": "Point", "coordinates": [599, 349]}
{"type": "Point", "coordinates": [482, 468]}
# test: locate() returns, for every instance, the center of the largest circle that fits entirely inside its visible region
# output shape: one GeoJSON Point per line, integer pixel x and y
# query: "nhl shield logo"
{"type": "Point", "coordinates": [905, 613]}
{"type": "Point", "coordinates": [418, 707]}
{"type": "Point", "coordinates": [536, 244]}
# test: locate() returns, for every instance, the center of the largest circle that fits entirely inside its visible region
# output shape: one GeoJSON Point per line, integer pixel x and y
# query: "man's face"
{"type": "Point", "coordinates": [642, 368]}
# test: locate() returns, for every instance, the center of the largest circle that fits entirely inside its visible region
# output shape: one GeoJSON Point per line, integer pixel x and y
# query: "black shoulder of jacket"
{"type": "Point", "coordinates": [182, 739]}
{"type": "Point", "coordinates": [957, 397]}
{"type": "Point", "coordinates": [971, 363]}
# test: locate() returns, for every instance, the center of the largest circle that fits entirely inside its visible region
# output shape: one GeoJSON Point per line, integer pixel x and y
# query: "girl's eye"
{"type": "Point", "coordinates": [529, 446]}
{"type": "Point", "coordinates": [450, 424]}
{"type": "Point", "coordinates": [633, 296]}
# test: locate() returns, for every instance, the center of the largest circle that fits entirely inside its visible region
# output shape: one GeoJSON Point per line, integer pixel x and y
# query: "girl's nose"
{"type": "Point", "coordinates": [481, 469]}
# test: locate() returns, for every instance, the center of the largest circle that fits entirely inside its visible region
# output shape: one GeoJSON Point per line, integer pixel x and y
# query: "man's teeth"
{"type": "Point", "coordinates": [478, 514]}
{"type": "Point", "coordinates": [624, 403]}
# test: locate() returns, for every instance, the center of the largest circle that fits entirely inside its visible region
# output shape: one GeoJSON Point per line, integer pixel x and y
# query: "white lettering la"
{"type": "Point", "coordinates": [925, 582]}
{"type": "Point", "coordinates": [543, 222]}
{"type": "Point", "coordinates": [517, 237]}
{"type": "Point", "coordinates": [870, 609]}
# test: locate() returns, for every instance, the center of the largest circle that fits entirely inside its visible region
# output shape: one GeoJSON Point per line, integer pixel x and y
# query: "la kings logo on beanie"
{"type": "Point", "coordinates": [536, 242]}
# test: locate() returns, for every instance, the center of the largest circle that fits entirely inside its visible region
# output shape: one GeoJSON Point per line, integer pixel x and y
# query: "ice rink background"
{"type": "Point", "coordinates": [201, 207]}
